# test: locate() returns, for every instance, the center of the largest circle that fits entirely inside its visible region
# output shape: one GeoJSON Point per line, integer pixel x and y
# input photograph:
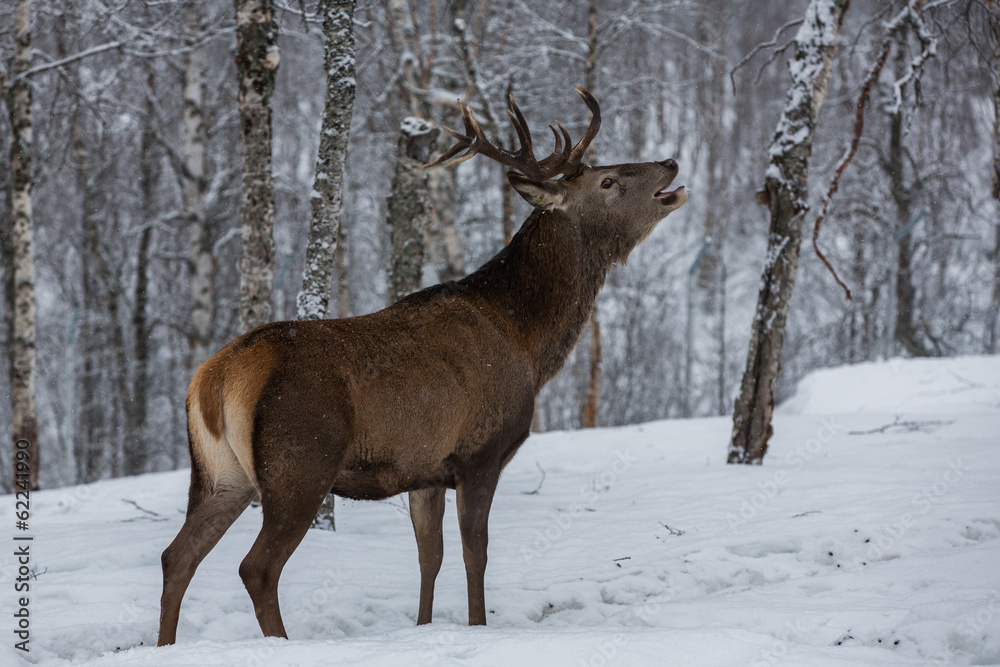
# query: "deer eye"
{"type": "Point", "coordinates": [607, 183]}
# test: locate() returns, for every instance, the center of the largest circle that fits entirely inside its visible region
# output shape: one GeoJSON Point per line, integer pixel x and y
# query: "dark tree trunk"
{"type": "Point", "coordinates": [136, 447]}
{"type": "Point", "coordinates": [786, 195]}
{"type": "Point", "coordinates": [592, 402]}
{"type": "Point", "coordinates": [256, 65]}
{"type": "Point", "coordinates": [993, 312]}
{"type": "Point", "coordinates": [409, 208]}
{"type": "Point", "coordinates": [906, 331]}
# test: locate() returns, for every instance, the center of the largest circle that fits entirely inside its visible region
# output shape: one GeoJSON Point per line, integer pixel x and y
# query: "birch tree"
{"type": "Point", "coordinates": [17, 95]}
{"type": "Point", "coordinates": [786, 195]}
{"type": "Point", "coordinates": [328, 186]}
{"type": "Point", "coordinates": [327, 194]}
{"type": "Point", "coordinates": [257, 65]}
{"type": "Point", "coordinates": [202, 267]}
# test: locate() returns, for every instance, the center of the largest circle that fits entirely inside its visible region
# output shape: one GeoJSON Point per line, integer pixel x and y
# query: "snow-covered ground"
{"type": "Point", "coordinates": [869, 537]}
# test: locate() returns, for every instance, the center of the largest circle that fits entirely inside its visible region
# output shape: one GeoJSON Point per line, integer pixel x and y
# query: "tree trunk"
{"type": "Point", "coordinates": [203, 266]}
{"type": "Point", "coordinates": [91, 443]}
{"type": "Point", "coordinates": [408, 208]}
{"type": "Point", "coordinates": [328, 187]}
{"type": "Point", "coordinates": [327, 194]}
{"type": "Point", "coordinates": [17, 95]}
{"type": "Point", "coordinates": [256, 65]}
{"type": "Point", "coordinates": [906, 332]}
{"type": "Point", "coordinates": [136, 452]}
{"type": "Point", "coordinates": [786, 195]}
{"type": "Point", "coordinates": [591, 404]}
{"type": "Point", "coordinates": [343, 287]}
{"type": "Point", "coordinates": [993, 312]}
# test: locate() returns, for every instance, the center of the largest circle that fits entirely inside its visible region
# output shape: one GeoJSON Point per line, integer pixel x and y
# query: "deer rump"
{"type": "Point", "coordinates": [437, 391]}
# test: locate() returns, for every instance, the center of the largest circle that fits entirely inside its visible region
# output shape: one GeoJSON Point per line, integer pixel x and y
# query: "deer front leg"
{"type": "Point", "coordinates": [474, 497]}
{"type": "Point", "coordinates": [427, 514]}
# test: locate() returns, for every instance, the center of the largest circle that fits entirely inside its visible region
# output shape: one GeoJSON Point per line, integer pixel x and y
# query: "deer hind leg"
{"type": "Point", "coordinates": [289, 507]}
{"type": "Point", "coordinates": [427, 514]}
{"type": "Point", "coordinates": [212, 509]}
{"type": "Point", "coordinates": [474, 496]}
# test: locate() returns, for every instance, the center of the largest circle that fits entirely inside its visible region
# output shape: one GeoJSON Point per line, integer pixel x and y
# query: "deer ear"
{"type": "Point", "coordinates": [543, 195]}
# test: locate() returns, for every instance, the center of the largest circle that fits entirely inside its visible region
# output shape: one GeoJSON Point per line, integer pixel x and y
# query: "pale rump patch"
{"type": "Point", "coordinates": [221, 417]}
{"type": "Point", "coordinates": [215, 459]}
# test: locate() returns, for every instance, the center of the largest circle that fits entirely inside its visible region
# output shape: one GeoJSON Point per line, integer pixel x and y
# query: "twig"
{"type": "Point", "coordinates": [540, 482]}
{"type": "Point", "coordinates": [908, 426]}
{"type": "Point", "coordinates": [129, 501]}
{"type": "Point", "coordinates": [760, 47]}
{"type": "Point", "coordinates": [672, 531]}
{"type": "Point", "coordinates": [69, 59]}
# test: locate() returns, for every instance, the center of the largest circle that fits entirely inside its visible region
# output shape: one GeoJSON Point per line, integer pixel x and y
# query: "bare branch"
{"type": "Point", "coordinates": [760, 47]}
{"type": "Point", "coordinates": [912, 13]}
{"type": "Point", "coordinates": [859, 124]}
{"type": "Point", "coordinates": [94, 50]}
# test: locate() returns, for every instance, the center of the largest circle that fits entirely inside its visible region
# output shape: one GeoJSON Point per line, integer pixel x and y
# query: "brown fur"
{"type": "Point", "coordinates": [434, 392]}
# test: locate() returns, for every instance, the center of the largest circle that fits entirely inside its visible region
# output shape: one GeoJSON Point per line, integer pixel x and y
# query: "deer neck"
{"type": "Point", "coordinates": [543, 286]}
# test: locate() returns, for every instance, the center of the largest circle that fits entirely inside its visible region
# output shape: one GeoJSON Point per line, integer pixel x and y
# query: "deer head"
{"type": "Point", "coordinates": [620, 204]}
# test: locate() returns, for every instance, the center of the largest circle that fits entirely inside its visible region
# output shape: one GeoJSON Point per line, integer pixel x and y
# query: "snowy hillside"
{"type": "Point", "coordinates": [870, 536]}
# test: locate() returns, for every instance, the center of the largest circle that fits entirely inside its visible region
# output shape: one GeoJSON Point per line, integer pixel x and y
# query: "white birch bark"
{"type": "Point", "coordinates": [17, 95]}
{"type": "Point", "coordinates": [786, 195]}
{"type": "Point", "coordinates": [327, 195]}
{"type": "Point", "coordinates": [202, 267]}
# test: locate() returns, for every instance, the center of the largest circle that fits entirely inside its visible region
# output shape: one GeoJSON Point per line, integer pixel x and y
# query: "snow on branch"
{"type": "Point", "coordinates": [815, 45]}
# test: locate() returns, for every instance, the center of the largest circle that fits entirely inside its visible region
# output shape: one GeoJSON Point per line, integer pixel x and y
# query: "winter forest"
{"type": "Point", "coordinates": [137, 189]}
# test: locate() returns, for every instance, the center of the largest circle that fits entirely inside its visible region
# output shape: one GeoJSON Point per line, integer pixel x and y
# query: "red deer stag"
{"type": "Point", "coordinates": [435, 392]}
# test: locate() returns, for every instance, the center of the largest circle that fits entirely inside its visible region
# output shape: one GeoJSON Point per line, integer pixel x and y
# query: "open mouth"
{"type": "Point", "coordinates": [674, 197]}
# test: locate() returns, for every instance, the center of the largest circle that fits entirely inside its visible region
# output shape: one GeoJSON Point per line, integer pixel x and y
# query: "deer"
{"type": "Point", "coordinates": [435, 392]}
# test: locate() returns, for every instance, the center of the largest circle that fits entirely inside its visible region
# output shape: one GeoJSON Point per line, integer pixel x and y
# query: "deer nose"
{"type": "Point", "coordinates": [669, 163]}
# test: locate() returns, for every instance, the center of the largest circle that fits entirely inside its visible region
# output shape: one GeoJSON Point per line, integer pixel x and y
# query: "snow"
{"type": "Point", "coordinates": [413, 126]}
{"type": "Point", "coordinates": [964, 385]}
{"type": "Point", "coordinates": [869, 536]}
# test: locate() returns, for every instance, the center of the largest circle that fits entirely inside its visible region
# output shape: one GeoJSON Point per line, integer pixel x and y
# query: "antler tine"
{"type": "Point", "coordinates": [565, 159]}
{"type": "Point", "coordinates": [474, 140]}
{"type": "Point", "coordinates": [559, 143]}
{"type": "Point", "coordinates": [445, 158]}
{"type": "Point", "coordinates": [554, 163]}
{"type": "Point", "coordinates": [466, 140]}
{"type": "Point", "coordinates": [520, 125]}
{"type": "Point", "coordinates": [576, 155]}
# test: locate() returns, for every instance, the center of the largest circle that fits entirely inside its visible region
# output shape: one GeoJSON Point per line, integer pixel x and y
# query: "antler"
{"type": "Point", "coordinates": [565, 159]}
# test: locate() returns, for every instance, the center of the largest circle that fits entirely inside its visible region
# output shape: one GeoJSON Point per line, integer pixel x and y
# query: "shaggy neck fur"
{"type": "Point", "coordinates": [543, 286]}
